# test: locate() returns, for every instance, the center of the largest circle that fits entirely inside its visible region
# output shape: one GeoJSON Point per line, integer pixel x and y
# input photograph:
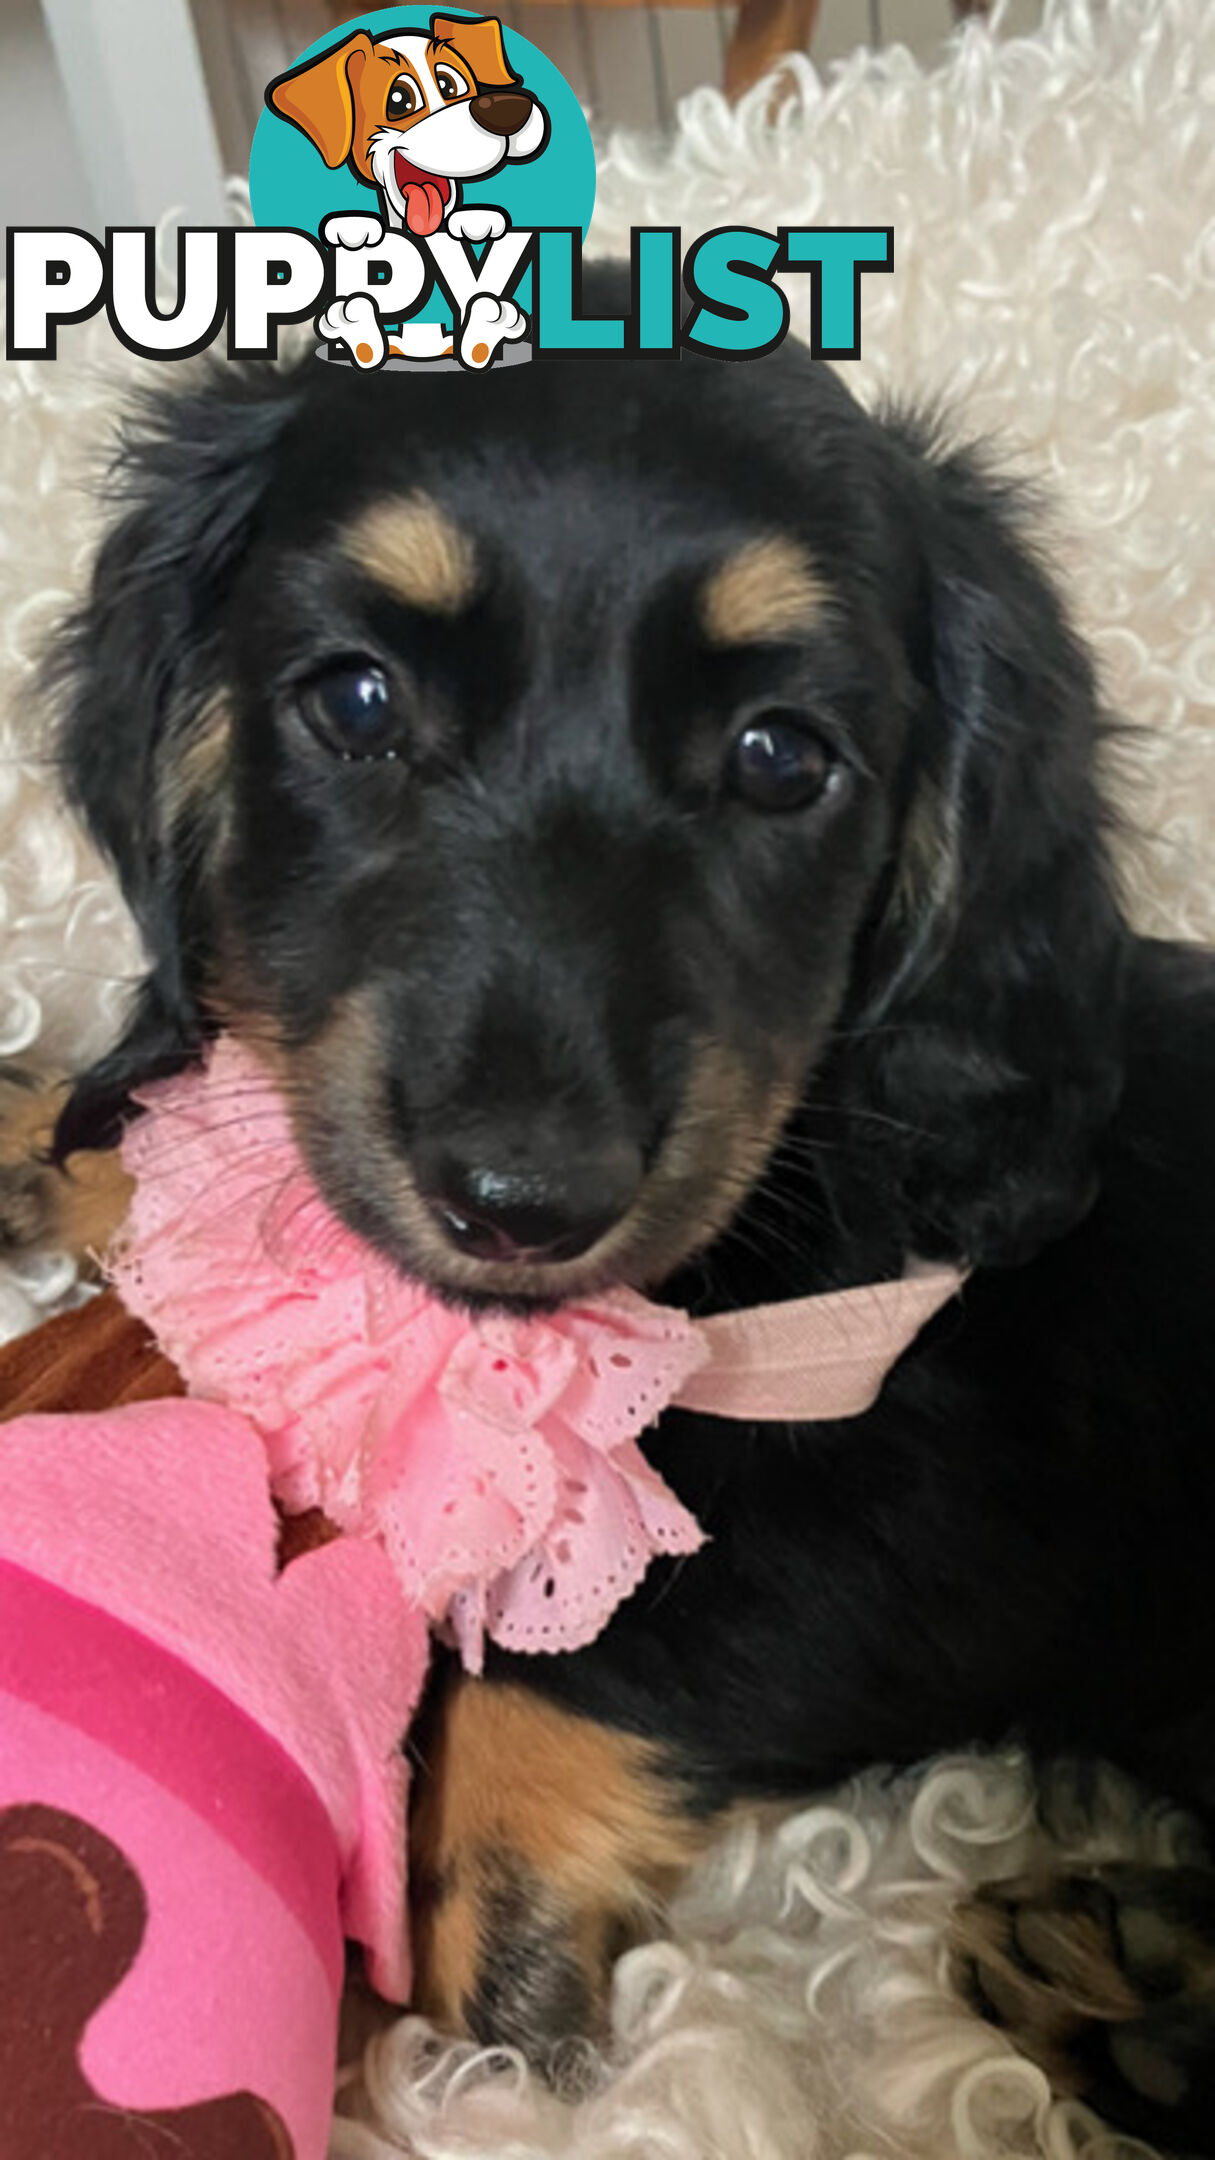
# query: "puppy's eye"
{"type": "Point", "coordinates": [404, 98]}
{"type": "Point", "coordinates": [351, 709]}
{"type": "Point", "coordinates": [449, 84]}
{"type": "Point", "coordinates": [780, 762]}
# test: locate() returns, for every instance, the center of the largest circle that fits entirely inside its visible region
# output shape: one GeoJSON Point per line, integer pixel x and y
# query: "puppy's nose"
{"type": "Point", "coordinates": [503, 112]}
{"type": "Point", "coordinates": [532, 1213]}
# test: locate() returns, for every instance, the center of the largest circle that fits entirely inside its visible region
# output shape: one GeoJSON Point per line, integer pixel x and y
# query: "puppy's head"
{"type": "Point", "coordinates": [412, 114]}
{"type": "Point", "coordinates": [604, 795]}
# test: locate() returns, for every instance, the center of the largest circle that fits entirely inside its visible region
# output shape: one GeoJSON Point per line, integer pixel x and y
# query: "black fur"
{"type": "Point", "coordinates": [135, 667]}
{"type": "Point", "coordinates": [551, 903]}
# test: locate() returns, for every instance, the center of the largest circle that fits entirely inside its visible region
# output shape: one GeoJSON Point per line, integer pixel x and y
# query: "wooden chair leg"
{"type": "Point", "coordinates": [764, 32]}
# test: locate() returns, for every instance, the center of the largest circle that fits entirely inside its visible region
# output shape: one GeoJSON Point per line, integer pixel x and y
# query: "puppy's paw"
{"type": "Point", "coordinates": [477, 222]}
{"type": "Point", "coordinates": [76, 1209]}
{"type": "Point", "coordinates": [489, 324]}
{"type": "Point", "coordinates": [1107, 1980]}
{"type": "Point", "coordinates": [542, 1845]}
{"type": "Point", "coordinates": [356, 324]}
{"type": "Point", "coordinates": [352, 229]}
{"type": "Point", "coordinates": [27, 1209]}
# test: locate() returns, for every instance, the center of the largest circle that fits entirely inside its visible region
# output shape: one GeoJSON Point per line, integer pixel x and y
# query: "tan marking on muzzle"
{"type": "Point", "coordinates": [335, 1086]}
{"type": "Point", "coordinates": [717, 1146]}
{"type": "Point", "coordinates": [716, 1149]}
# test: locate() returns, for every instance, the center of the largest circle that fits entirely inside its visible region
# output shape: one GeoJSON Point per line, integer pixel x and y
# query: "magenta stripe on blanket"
{"type": "Point", "coordinates": [155, 1712]}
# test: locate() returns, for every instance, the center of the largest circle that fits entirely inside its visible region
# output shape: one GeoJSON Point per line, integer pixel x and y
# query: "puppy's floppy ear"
{"type": "Point", "coordinates": [138, 673]}
{"type": "Point", "coordinates": [983, 1042]}
{"type": "Point", "coordinates": [318, 97]}
{"type": "Point", "coordinates": [480, 43]}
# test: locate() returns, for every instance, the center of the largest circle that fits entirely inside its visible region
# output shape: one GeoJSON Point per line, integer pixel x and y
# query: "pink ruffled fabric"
{"type": "Point", "coordinates": [496, 1460]}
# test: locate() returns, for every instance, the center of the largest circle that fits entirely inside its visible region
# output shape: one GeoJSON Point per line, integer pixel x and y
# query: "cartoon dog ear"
{"type": "Point", "coordinates": [318, 98]}
{"type": "Point", "coordinates": [480, 43]}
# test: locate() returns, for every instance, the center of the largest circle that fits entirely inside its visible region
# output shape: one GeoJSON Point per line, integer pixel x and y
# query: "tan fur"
{"type": "Point", "coordinates": [416, 552]}
{"type": "Point", "coordinates": [448, 1939]}
{"type": "Point", "coordinates": [1044, 1972]}
{"type": "Point", "coordinates": [513, 1784]}
{"type": "Point", "coordinates": [716, 1147]}
{"type": "Point", "coordinates": [77, 1209]}
{"type": "Point", "coordinates": [769, 589]}
{"type": "Point", "coordinates": [193, 774]}
{"type": "Point", "coordinates": [928, 867]}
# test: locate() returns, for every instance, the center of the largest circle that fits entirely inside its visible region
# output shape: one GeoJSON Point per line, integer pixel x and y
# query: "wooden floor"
{"type": "Point", "coordinates": [629, 65]}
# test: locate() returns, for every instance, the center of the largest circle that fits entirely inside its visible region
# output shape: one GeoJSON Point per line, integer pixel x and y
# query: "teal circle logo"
{"type": "Point", "coordinates": [420, 119]}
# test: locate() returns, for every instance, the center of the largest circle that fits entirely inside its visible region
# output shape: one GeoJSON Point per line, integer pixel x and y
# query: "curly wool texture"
{"type": "Point", "coordinates": [1054, 288]}
{"type": "Point", "coordinates": [801, 2008]}
{"type": "Point", "coordinates": [69, 954]}
{"type": "Point", "coordinates": [1055, 282]}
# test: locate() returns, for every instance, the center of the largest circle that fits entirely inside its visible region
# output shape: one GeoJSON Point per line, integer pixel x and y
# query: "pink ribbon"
{"type": "Point", "coordinates": [816, 1357]}
{"type": "Point", "coordinates": [495, 1459]}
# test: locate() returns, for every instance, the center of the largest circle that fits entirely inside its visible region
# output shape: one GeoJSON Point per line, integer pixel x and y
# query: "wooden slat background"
{"type": "Point", "coordinates": [628, 64]}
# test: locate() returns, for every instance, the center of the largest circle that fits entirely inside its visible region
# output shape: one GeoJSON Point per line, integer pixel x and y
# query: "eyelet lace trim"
{"type": "Point", "coordinates": [496, 1459]}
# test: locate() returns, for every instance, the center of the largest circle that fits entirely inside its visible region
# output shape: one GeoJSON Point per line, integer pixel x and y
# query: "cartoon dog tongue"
{"type": "Point", "coordinates": [424, 196]}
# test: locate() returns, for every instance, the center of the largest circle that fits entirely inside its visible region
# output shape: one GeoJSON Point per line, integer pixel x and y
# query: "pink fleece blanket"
{"type": "Point", "coordinates": [198, 1798]}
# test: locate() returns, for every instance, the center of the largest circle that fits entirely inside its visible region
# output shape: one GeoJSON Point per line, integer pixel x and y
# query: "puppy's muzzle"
{"type": "Point", "coordinates": [501, 112]}
{"type": "Point", "coordinates": [535, 1209]}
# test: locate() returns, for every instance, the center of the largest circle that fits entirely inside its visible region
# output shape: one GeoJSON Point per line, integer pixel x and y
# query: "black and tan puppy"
{"type": "Point", "coordinates": [648, 814]}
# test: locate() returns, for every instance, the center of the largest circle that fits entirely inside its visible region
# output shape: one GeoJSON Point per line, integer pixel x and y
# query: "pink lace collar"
{"type": "Point", "coordinates": [496, 1459]}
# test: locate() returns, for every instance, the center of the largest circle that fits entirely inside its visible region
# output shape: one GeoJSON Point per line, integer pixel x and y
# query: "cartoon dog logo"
{"type": "Point", "coordinates": [413, 116]}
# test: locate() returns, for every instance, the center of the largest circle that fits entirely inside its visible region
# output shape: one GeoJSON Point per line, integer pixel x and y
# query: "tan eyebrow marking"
{"type": "Point", "coordinates": [769, 588]}
{"type": "Point", "coordinates": [418, 553]}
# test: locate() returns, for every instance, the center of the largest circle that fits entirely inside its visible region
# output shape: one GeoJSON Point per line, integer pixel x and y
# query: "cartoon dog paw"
{"type": "Point", "coordinates": [488, 324]}
{"type": "Point", "coordinates": [356, 323]}
{"type": "Point", "coordinates": [352, 229]}
{"type": "Point", "coordinates": [477, 222]}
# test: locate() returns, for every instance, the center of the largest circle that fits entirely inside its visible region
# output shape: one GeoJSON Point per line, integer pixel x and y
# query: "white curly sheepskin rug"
{"type": "Point", "coordinates": [1054, 207]}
